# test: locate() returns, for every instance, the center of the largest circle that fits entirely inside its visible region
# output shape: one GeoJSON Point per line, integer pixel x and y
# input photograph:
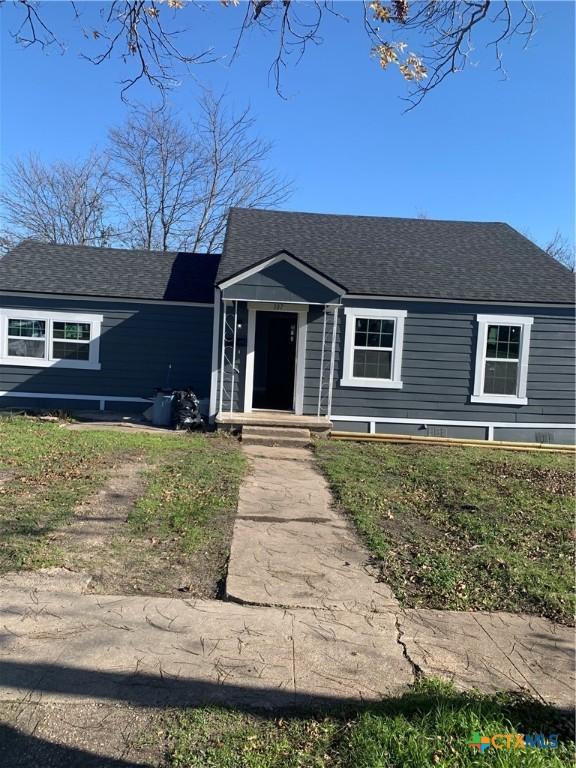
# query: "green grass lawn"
{"type": "Point", "coordinates": [46, 470]}
{"type": "Point", "coordinates": [461, 527]}
{"type": "Point", "coordinates": [431, 725]}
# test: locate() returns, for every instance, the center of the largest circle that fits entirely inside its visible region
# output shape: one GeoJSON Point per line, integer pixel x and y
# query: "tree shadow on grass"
{"type": "Point", "coordinates": [427, 707]}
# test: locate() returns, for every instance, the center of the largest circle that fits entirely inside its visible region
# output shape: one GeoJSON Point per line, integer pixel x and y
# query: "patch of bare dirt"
{"type": "Point", "coordinates": [98, 518]}
{"type": "Point", "coordinates": [98, 551]}
{"type": "Point", "coordinates": [160, 568]}
{"type": "Point", "coordinates": [80, 736]}
{"type": "Point", "coordinates": [5, 475]}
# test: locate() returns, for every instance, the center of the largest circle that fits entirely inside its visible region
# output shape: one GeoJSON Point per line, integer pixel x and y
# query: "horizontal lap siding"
{"type": "Point", "coordinates": [315, 332]}
{"type": "Point", "coordinates": [281, 282]}
{"type": "Point", "coordinates": [438, 367]}
{"type": "Point", "coordinates": [138, 344]}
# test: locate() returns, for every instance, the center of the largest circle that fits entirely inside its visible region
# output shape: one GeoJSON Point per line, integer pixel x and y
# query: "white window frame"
{"type": "Point", "coordinates": [358, 313]}
{"type": "Point", "coordinates": [525, 324]}
{"type": "Point", "coordinates": [48, 361]}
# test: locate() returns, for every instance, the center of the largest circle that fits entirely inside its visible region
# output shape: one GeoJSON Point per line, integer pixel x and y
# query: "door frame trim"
{"type": "Point", "coordinates": [249, 367]}
{"type": "Point", "coordinates": [300, 363]}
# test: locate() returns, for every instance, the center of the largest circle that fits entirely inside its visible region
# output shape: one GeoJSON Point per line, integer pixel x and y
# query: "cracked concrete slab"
{"type": "Point", "coordinates": [291, 547]}
{"type": "Point", "coordinates": [493, 651]}
{"type": "Point", "coordinates": [158, 651]}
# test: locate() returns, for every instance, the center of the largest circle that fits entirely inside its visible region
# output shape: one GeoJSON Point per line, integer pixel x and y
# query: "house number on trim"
{"type": "Point", "coordinates": [278, 307]}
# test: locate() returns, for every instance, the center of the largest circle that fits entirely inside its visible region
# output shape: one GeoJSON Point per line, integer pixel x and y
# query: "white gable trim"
{"type": "Point", "coordinates": [283, 256]}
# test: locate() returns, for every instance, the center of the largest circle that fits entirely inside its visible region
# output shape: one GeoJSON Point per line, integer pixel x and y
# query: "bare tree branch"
{"type": "Point", "coordinates": [137, 31]}
{"type": "Point", "coordinates": [561, 249]}
{"type": "Point", "coordinates": [61, 203]}
{"type": "Point", "coordinates": [447, 30]}
{"type": "Point", "coordinates": [153, 165]}
{"type": "Point", "coordinates": [426, 40]}
{"type": "Point", "coordinates": [174, 183]}
{"type": "Point", "coordinates": [442, 30]}
{"type": "Point", "coordinates": [235, 172]}
{"type": "Point", "coordinates": [33, 30]}
{"type": "Point", "coordinates": [161, 184]}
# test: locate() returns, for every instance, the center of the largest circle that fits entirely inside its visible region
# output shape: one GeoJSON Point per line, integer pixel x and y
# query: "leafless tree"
{"type": "Point", "coordinates": [154, 164]}
{"type": "Point", "coordinates": [562, 250]}
{"type": "Point", "coordinates": [7, 241]}
{"type": "Point", "coordinates": [174, 183]}
{"type": "Point", "coordinates": [58, 203]}
{"type": "Point", "coordinates": [234, 171]}
{"type": "Point", "coordinates": [427, 40]}
{"type": "Point", "coordinates": [161, 183]}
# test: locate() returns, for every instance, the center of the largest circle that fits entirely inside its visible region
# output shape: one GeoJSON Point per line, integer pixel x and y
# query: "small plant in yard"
{"type": "Point", "coordinates": [431, 725]}
{"type": "Point", "coordinates": [462, 528]}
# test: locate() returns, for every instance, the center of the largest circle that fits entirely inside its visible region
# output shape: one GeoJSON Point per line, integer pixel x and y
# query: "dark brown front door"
{"type": "Point", "coordinates": [274, 360]}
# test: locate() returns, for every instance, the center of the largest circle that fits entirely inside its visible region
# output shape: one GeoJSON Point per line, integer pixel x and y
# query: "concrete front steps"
{"type": "Point", "coordinates": [281, 437]}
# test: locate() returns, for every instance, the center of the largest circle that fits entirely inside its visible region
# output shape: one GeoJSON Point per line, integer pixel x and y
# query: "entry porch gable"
{"type": "Point", "coordinates": [264, 351]}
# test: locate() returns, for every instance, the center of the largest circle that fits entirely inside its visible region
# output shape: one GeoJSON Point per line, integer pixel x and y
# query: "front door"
{"type": "Point", "coordinates": [274, 360]}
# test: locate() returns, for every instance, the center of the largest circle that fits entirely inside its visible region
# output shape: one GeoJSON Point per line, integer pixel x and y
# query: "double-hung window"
{"type": "Point", "coordinates": [44, 339]}
{"type": "Point", "coordinates": [26, 338]}
{"type": "Point", "coordinates": [502, 359]}
{"type": "Point", "coordinates": [70, 340]}
{"type": "Point", "coordinates": [373, 348]}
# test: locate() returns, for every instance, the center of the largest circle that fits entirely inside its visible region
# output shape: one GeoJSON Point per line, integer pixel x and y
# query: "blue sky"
{"type": "Point", "coordinates": [477, 148]}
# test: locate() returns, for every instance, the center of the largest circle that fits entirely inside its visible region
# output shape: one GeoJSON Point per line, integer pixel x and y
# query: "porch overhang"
{"type": "Point", "coordinates": [288, 259]}
{"type": "Point", "coordinates": [245, 301]}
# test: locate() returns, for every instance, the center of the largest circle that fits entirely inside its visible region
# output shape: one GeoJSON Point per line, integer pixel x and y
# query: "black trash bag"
{"type": "Point", "coordinates": [186, 410]}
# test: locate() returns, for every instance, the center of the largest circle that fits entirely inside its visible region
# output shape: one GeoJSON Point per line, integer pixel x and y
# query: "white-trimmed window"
{"type": "Point", "coordinates": [373, 348]}
{"type": "Point", "coordinates": [502, 359]}
{"type": "Point", "coordinates": [43, 339]}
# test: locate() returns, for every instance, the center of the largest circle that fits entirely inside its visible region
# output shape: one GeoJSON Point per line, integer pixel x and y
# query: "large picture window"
{"type": "Point", "coordinates": [373, 348]}
{"type": "Point", "coordinates": [45, 339]}
{"type": "Point", "coordinates": [502, 359]}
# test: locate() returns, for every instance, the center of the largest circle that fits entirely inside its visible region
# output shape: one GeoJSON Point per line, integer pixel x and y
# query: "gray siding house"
{"type": "Point", "coordinates": [404, 326]}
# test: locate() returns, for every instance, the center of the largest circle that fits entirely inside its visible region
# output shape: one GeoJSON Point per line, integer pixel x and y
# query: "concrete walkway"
{"type": "Point", "coordinates": [291, 547]}
{"type": "Point", "coordinates": [158, 651]}
{"type": "Point", "coordinates": [67, 647]}
{"type": "Point", "coordinates": [493, 652]}
{"type": "Point", "coordinates": [317, 629]}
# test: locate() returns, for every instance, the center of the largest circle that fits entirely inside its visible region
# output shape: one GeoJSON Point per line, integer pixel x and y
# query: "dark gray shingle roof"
{"type": "Point", "coordinates": [484, 261]}
{"type": "Point", "coordinates": [114, 272]}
